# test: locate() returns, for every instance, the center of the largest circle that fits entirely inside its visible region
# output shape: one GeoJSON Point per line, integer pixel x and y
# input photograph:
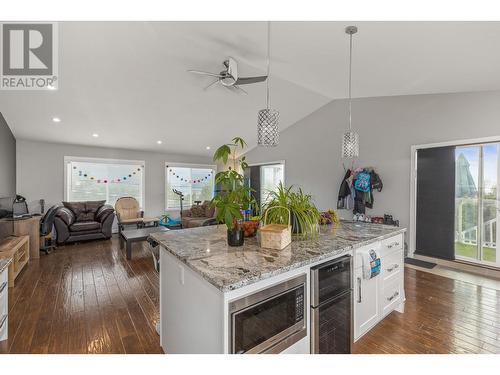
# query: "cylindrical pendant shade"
{"type": "Point", "coordinates": [350, 145]}
{"type": "Point", "coordinates": [267, 127]}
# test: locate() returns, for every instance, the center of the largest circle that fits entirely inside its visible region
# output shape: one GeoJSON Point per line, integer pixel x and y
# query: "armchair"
{"type": "Point", "coordinates": [128, 212]}
{"type": "Point", "coordinates": [80, 221]}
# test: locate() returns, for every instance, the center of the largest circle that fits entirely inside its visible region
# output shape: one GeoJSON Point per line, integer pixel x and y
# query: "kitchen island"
{"type": "Point", "coordinates": [202, 280]}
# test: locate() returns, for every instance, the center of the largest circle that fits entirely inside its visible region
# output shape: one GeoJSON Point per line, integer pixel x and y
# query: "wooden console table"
{"type": "Point", "coordinates": [30, 227]}
{"type": "Point", "coordinates": [17, 248]}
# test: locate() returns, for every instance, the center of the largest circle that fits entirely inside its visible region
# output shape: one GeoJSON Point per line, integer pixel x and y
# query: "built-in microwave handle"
{"type": "Point", "coordinates": [359, 289]}
{"type": "Point", "coordinates": [2, 287]}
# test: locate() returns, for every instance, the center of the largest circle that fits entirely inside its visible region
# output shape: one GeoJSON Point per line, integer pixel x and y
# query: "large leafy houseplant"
{"type": "Point", "coordinates": [305, 215]}
{"type": "Point", "coordinates": [233, 196]}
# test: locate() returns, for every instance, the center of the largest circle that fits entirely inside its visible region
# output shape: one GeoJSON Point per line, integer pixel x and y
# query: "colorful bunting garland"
{"type": "Point", "coordinates": [196, 181]}
{"type": "Point", "coordinates": [108, 180]}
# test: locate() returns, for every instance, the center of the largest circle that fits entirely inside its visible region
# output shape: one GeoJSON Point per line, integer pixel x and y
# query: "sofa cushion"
{"type": "Point", "coordinates": [83, 226]}
{"type": "Point", "coordinates": [84, 211]}
{"type": "Point", "coordinates": [198, 211]}
{"type": "Point", "coordinates": [78, 208]}
{"type": "Point", "coordinates": [93, 206]}
{"type": "Point", "coordinates": [193, 222]}
{"type": "Point", "coordinates": [209, 210]}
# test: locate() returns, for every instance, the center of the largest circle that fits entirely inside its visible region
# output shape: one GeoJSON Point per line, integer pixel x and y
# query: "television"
{"type": "Point", "coordinates": [6, 218]}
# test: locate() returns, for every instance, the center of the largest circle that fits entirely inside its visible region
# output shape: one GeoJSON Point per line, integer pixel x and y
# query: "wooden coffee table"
{"type": "Point", "coordinates": [128, 237]}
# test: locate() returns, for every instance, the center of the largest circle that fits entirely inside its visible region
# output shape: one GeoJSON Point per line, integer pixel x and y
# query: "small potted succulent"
{"type": "Point", "coordinates": [234, 197]}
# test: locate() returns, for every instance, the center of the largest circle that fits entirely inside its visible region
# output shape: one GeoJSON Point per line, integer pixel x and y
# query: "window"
{"type": "Point", "coordinates": [270, 178]}
{"type": "Point", "coordinates": [196, 182]}
{"type": "Point", "coordinates": [476, 202]}
{"type": "Point", "coordinates": [263, 178]}
{"type": "Point", "coordinates": [104, 179]}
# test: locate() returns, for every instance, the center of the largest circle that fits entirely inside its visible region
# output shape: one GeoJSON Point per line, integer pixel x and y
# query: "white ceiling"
{"type": "Point", "coordinates": [127, 81]}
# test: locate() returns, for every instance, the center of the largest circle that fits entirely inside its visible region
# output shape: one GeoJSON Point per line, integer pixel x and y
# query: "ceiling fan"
{"type": "Point", "coordinates": [229, 77]}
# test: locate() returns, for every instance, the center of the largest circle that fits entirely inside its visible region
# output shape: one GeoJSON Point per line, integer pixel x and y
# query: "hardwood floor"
{"type": "Point", "coordinates": [85, 298]}
{"type": "Point", "coordinates": [442, 315]}
{"type": "Point", "coordinates": [88, 298]}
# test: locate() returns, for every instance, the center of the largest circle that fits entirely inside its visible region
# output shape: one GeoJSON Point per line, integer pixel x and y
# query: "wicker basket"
{"type": "Point", "coordinates": [276, 236]}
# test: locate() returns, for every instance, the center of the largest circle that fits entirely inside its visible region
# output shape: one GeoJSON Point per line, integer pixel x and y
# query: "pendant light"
{"type": "Point", "coordinates": [267, 120]}
{"type": "Point", "coordinates": [350, 139]}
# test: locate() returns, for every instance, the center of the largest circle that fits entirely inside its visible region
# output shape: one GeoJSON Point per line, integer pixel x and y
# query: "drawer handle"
{"type": "Point", "coordinates": [390, 269]}
{"type": "Point", "coordinates": [2, 287]}
{"type": "Point", "coordinates": [393, 296]}
{"type": "Point", "coordinates": [391, 245]}
{"type": "Point", "coordinates": [2, 321]}
{"type": "Point", "coordinates": [359, 289]}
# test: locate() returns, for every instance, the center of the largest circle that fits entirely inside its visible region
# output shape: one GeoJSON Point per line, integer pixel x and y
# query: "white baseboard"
{"type": "Point", "coordinates": [462, 266]}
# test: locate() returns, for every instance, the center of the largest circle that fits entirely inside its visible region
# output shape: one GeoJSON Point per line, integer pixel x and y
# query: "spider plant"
{"type": "Point", "coordinates": [304, 213]}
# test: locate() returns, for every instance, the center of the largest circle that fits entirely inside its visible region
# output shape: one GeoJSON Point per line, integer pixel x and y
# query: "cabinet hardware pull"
{"type": "Point", "coordinates": [391, 245]}
{"type": "Point", "coordinates": [2, 321]}
{"type": "Point", "coordinates": [359, 289]}
{"type": "Point", "coordinates": [393, 268]}
{"type": "Point", "coordinates": [2, 287]}
{"type": "Point", "coordinates": [393, 296]}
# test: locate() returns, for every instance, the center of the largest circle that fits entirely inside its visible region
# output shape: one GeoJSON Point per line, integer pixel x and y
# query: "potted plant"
{"type": "Point", "coordinates": [305, 215]}
{"type": "Point", "coordinates": [234, 196]}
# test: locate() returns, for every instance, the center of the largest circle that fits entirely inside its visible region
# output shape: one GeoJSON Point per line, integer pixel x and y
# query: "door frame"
{"type": "Point", "coordinates": [413, 180]}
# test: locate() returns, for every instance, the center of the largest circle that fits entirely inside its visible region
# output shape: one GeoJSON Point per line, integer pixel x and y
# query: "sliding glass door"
{"type": "Point", "coordinates": [476, 203]}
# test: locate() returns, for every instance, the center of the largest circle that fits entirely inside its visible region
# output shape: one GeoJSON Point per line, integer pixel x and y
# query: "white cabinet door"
{"type": "Point", "coordinates": [366, 303]}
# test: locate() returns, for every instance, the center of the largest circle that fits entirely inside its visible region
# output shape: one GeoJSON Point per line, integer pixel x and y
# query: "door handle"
{"type": "Point", "coordinates": [390, 269]}
{"type": "Point", "coordinates": [393, 296]}
{"type": "Point", "coordinates": [359, 289]}
{"type": "Point", "coordinates": [2, 287]}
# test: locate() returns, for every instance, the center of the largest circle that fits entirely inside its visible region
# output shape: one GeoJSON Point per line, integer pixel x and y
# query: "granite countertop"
{"type": "Point", "coordinates": [4, 263]}
{"type": "Point", "coordinates": [205, 251]}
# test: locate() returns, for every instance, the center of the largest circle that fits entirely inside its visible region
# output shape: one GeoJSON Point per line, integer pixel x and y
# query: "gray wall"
{"type": "Point", "coordinates": [7, 160]}
{"type": "Point", "coordinates": [40, 171]}
{"type": "Point", "coordinates": [387, 127]}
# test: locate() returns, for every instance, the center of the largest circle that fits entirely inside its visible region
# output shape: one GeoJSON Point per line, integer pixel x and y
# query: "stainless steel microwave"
{"type": "Point", "coordinates": [269, 320]}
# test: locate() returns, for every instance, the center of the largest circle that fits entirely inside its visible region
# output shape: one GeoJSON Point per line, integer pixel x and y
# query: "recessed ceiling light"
{"type": "Point", "coordinates": [95, 135]}
{"type": "Point", "coordinates": [56, 119]}
{"type": "Point", "coordinates": [159, 142]}
{"type": "Point", "coordinates": [208, 147]}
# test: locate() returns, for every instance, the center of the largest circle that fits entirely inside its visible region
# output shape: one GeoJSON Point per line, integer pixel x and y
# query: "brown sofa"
{"type": "Point", "coordinates": [81, 221]}
{"type": "Point", "coordinates": [198, 215]}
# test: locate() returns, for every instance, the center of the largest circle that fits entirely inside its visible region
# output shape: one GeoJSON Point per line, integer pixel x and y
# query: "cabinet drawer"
{"type": "Point", "coordinates": [4, 301]}
{"type": "Point", "coordinates": [392, 265]}
{"type": "Point", "coordinates": [4, 275]}
{"type": "Point", "coordinates": [391, 244]}
{"type": "Point", "coordinates": [392, 293]}
{"type": "Point", "coordinates": [4, 323]}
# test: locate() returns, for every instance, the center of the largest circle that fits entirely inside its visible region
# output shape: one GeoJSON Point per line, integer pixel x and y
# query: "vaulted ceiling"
{"type": "Point", "coordinates": [128, 81]}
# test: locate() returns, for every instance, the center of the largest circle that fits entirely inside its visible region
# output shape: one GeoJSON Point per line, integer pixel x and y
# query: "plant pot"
{"type": "Point", "coordinates": [235, 237]}
{"type": "Point", "coordinates": [296, 227]}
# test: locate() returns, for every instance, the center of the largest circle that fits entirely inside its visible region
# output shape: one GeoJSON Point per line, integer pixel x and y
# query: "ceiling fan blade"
{"type": "Point", "coordinates": [205, 73]}
{"type": "Point", "coordinates": [237, 89]}
{"type": "Point", "coordinates": [232, 68]}
{"type": "Point", "coordinates": [248, 80]}
{"type": "Point", "coordinates": [213, 83]}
